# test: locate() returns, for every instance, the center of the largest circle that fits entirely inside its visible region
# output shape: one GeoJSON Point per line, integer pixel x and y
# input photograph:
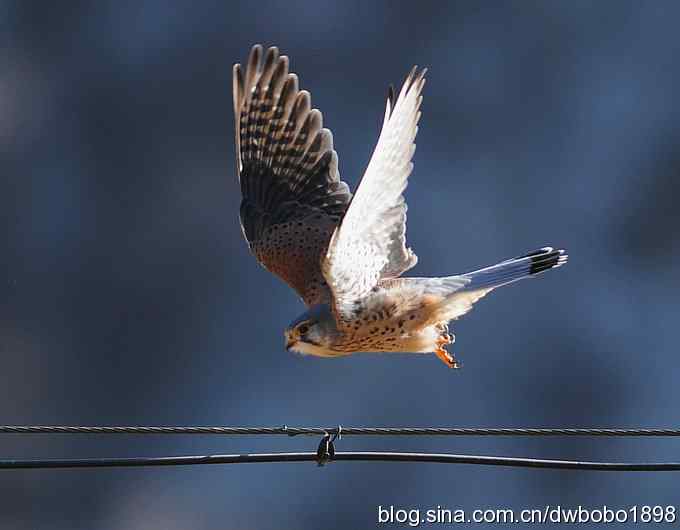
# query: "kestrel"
{"type": "Point", "coordinates": [344, 254]}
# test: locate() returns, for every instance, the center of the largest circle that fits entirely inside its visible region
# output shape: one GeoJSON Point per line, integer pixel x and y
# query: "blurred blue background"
{"type": "Point", "coordinates": [127, 295]}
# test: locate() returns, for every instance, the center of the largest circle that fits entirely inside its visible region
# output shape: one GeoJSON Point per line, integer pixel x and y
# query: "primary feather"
{"type": "Point", "coordinates": [292, 194]}
{"type": "Point", "coordinates": [370, 243]}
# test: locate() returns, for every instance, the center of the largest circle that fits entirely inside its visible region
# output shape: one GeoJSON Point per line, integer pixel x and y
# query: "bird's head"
{"type": "Point", "coordinates": [312, 332]}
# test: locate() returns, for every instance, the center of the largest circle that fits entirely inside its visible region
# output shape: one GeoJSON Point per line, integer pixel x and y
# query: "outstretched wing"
{"type": "Point", "coordinates": [292, 194]}
{"type": "Point", "coordinates": [370, 243]}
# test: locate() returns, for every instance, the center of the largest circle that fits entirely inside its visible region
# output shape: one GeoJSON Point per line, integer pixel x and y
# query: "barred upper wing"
{"type": "Point", "coordinates": [370, 243]}
{"type": "Point", "coordinates": [292, 195]}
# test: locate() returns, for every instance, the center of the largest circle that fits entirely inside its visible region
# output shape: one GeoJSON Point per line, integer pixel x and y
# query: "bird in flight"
{"type": "Point", "coordinates": [344, 254]}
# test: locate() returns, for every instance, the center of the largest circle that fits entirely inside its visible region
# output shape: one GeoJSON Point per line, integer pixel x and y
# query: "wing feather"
{"type": "Point", "coordinates": [370, 243]}
{"type": "Point", "coordinates": [292, 195]}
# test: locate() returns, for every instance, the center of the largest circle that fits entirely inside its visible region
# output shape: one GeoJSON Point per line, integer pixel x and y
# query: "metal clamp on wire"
{"type": "Point", "coordinates": [326, 450]}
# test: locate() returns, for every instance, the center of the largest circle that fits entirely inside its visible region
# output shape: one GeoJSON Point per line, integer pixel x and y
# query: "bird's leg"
{"type": "Point", "coordinates": [444, 355]}
{"type": "Point", "coordinates": [445, 338]}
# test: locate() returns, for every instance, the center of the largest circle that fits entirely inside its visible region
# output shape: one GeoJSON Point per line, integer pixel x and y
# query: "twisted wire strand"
{"type": "Point", "coordinates": [340, 456]}
{"type": "Point", "coordinates": [345, 431]}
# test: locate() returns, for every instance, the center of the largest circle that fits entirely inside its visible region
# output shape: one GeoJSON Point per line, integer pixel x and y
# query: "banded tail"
{"type": "Point", "coordinates": [511, 270]}
{"type": "Point", "coordinates": [462, 291]}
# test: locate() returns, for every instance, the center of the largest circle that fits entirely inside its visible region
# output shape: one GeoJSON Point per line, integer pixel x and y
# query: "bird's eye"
{"type": "Point", "coordinates": [303, 329]}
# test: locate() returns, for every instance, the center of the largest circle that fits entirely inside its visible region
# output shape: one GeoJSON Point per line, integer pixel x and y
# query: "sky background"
{"type": "Point", "coordinates": [128, 296]}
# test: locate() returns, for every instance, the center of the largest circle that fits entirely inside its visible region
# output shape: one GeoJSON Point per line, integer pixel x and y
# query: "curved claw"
{"type": "Point", "coordinates": [445, 338]}
{"type": "Point", "coordinates": [448, 359]}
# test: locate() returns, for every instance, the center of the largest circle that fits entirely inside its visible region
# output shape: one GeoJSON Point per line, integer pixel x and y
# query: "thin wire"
{"type": "Point", "coordinates": [346, 431]}
{"type": "Point", "coordinates": [340, 456]}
